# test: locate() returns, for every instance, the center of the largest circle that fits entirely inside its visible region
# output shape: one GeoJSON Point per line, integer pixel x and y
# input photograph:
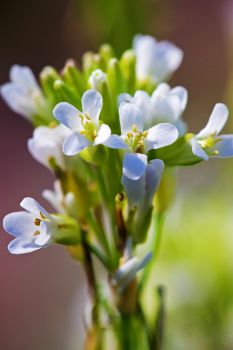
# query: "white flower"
{"type": "Point", "coordinates": [165, 105]}
{"type": "Point", "coordinates": [22, 94]}
{"type": "Point", "coordinates": [62, 203]}
{"type": "Point", "coordinates": [208, 143]}
{"type": "Point", "coordinates": [85, 126]}
{"type": "Point", "coordinates": [168, 104]}
{"type": "Point", "coordinates": [133, 135]}
{"type": "Point", "coordinates": [155, 61]}
{"type": "Point", "coordinates": [46, 145]}
{"type": "Point", "coordinates": [31, 228]}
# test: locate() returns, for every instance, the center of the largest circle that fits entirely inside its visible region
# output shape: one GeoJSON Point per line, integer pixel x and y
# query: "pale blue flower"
{"type": "Point", "coordinates": [141, 179]}
{"type": "Point", "coordinates": [134, 137]}
{"type": "Point", "coordinates": [165, 105]}
{"type": "Point", "coordinates": [46, 145]}
{"type": "Point", "coordinates": [22, 94]}
{"type": "Point", "coordinates": [85, 126]}
{"type": "Point", "coordinates": [208, 143]}
{"type": "Point", "coordinates": [155, 61]}
{"type": "Point", "coordinates": [31, 228]}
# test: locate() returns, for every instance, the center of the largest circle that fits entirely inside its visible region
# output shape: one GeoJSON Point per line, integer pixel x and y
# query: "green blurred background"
{"type": "Point", "coordinates": [41, 295]}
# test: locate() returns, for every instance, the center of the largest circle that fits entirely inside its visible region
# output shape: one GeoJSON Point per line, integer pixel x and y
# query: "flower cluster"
{"type": "Point", "coordinates": [108, 131]}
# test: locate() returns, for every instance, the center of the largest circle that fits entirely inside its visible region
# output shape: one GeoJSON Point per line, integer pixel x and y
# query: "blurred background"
{"type": "Point", "coordinates": [40, 293]}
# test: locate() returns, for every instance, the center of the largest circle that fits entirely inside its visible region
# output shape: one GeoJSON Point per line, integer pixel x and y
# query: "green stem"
{"type": "Point", "coordinates": [99, 233]}
{"type": "Point", "coordinates": [108, 201]}
{"type": "Point", "coordinates": [93, 249]}
{"type": "Point", "coordinates": [156, 244]}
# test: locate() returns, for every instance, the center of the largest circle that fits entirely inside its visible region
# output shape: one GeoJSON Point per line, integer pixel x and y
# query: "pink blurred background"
{"type": "Point", "coordinates": [39, 291]}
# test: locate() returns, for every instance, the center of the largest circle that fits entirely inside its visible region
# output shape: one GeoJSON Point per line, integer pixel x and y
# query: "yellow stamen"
{"type": "Point", "coordinates": [37, 222]}
{"type": "Point", "coordinates": [36, 233]}
{"type": "Point", "coordinates": [134, 128]}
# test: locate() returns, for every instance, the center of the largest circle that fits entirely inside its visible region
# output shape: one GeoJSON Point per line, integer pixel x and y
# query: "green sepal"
{"type": "Point", "coordinates": [178, 154]}
{"type": "Point", "coordinates": [95, 155]}
{"type": "Point", "coordinates": [66, 230]}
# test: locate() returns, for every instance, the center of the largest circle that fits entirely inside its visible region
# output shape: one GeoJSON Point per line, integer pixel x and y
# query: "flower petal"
{"type": "Point", "coordinates": [45, 235]}
{"type": "Point", "coordinates": [198, 150]}
{"type": "Point", "coordinates": [68, 115]}
{"type": "Point", "coordinates": [166, 109]}
{"type": "Point", "coordinates": [216, 121]}
{"type": "Point", "coordinates": [161, 135]}
{"type": "Point", "coordinates": [143, 262]}
{"type": "Point", "coordinates": [143, 42]}
{"type": "Point", "coordinates": [115, 141]}
{"type": "Point", "coordinates": [182, 94]}
{"type": "Point", "coordinates": [74, 144]}
{"type": "Point", "coordinates": [224, 147]}
{"type": "Point", "coordinates": [127, 272]}
{"type": "Point", "coordinates": [33, 207]}
{"type": "Point", "coordinates": [20, 224]}
{"type": "Point", "coordinates": [134, 189]}
{"type": "Point", "coordinates": [55, 197]}
{"type": "Point", "coordinates": [92, 103]}
{"type": "Point", "coordinates": [124, 98]}
{"type": "Point", "coordinates": [154, 171]}
{"type": "Point", "coordinates": [103, 134]}
{"type": "Point", "coordinates": [22, 246]}
{"type": "Point", "coordinates": [161, 90]}
{"type": "Point", "coordinates": [167, 59]}
{"type": "Point", "coordinates": [130, 115]}
{"type": "Point", "coordinates": [46, 143]}
{"type": "Point", "coordinates": [17, 100]}
{"type": "Point", "coordinates": [96, 79]}
{"type": "Point", "coordinates": [134, 165]}
{"type": "Point", "coordinates": [143, 101]}
{"type": "Point", "coordinates": [168, 104]}
{"type": "Point", "coordinates": [23, 76]}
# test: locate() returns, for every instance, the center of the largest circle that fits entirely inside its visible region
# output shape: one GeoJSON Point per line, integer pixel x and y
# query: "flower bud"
{"type": "Point", "coordinates": [72, 76]}
{"type": "Point", "coordinates": [128, 66]}
{"type": "Point", "coordinates": [106, 52]}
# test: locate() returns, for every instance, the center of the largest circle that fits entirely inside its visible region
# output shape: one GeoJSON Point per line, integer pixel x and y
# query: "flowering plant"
{"type": "Point", "coordinates": [112, 133]}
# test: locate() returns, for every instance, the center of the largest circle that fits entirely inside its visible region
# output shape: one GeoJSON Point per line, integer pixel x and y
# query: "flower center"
{"type": "Point", "coordinates": [135, 139]}
{"type": "Point", "coordinates": [90, 129]}
{"type": "Point", "coordinates": [208, 144]}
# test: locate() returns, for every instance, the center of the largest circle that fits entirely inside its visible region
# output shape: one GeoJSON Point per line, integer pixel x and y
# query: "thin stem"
{"type": "Point", "coordinates": [89, 269]}
{"type": "Point", "coordinates": [99, 255]}
{"type": "Point", "coordinates": [156, 244]}
{"type": "Point", "coordinates": [159, 224]}
{"type": "Point", "coordinates": [108, 201]}
{"type": "Point", "coordinates": [99, 233]}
